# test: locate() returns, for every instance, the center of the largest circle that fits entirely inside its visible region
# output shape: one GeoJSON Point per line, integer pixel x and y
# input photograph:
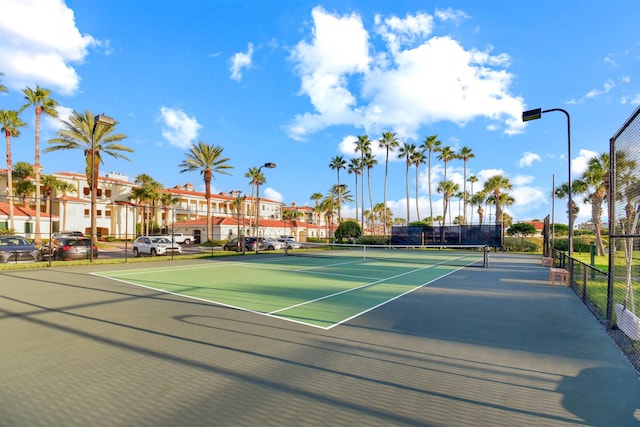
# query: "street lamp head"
{"type": "Point", "coordinates": [534, 114]}
{"type": "Point", "coordinates": [104, 120]}
{"type": "Point", "coordinates": [269, 165]}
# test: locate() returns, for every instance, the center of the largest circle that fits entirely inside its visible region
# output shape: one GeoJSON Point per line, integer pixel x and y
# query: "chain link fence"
{"type": "Point", "coordinates": [624, 250]}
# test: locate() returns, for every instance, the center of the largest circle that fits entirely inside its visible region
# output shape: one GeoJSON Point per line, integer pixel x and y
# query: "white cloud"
{"type": "Point", "coordinates": [271, 194]}
{"type": "Point", "coordinates": [579, 164]}
{"type": "Point", "coordinates": [178, 128]}
{"type": "Point", "coordinates": [55, 123]}
{"type": "Point", "coordinates": [401, 32]}
{"type": "Point", "coordinates": [528, 158]}
{"type": "Point", "coordinates": [449, 14]}
{"type": "Point", "coordinates": [400, 88]}
{"type": "Point", "coordinates": [606, 88]}
{"type": "Point", "coordinates": [240, 61]}
{"type": "Point", "coordinates": [38, 42]}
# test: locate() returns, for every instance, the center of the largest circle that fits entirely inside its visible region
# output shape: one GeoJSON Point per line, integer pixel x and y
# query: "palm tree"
{"type": "Point", "coordinates": [472, 179]}
{"type": "Point", "coordinates": [167, 200]}
{"type": "Point", "coordinates": [562, 191]}
{"type": "Point", "coordinates": [399, 221]}
{"type": "Point", "coordinates": [48, 183]}
{"type": "Point", "coordinates": [316, 197]}
{"type": "Point", "coordinates": [23, 173]}
{"type": "Point", "coordinates": [369, 162]}
{"type": "Point", "coordinates": [448, 189]}
{"type": "Point", "coordinates": [11, 122]}
{"type": "Point", "coordinates": [39, 98]}
{"type": "Point", "coordinates": [256, 178]}
{"type": "Point", "coordinates": [336, 164]}
{"type": "Point", "coordinates": [355, 167]}
{"type": "Point", "coordinates": [363, 145]}
{"type": "Point", "coordinates": [148, 194]}
{"type": "Point", "coordinates": [417, 158]}
{"type": "Point", "coordinates": [65, 187]}
{"type": "Point", "coordinates": [3, 88]}
{"type": "Point", "coordinates": [495, 185]}
{"type": "Point", "coordinates": [430, 145]}
{"type": "Point", "coordinates": [406, 152]}
{"type": "Point", "coordinates": [465, 154]}
{"type": "Point", "coordinates": [477, 200]}
{"type": "Point", "coordinates": [389, 143]}
{"type": "Point", "coordinates": [78, 134]}
{"type": "Point", "coordinates": [593, 178]}
{"type": "Point", "coordinates": [446, 155]}
{"type": "Point", "coordinates": [208, 160]}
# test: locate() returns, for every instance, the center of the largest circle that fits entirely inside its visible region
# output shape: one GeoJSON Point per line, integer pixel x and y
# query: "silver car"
{"type": "Point", "coordinates": [17, 249]}
{"type": "Point", "coordinates": [273, 244]}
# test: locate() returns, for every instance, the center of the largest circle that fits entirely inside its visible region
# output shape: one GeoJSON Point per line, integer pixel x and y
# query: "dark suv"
{"type": "Point", "coordinates": [249, 244]}
{"type": "Point", "coordinates": [66, 248]}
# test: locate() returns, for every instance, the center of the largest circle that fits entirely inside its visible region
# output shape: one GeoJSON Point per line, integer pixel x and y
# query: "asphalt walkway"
{"type": "Point", "coordinates": [480, 347]}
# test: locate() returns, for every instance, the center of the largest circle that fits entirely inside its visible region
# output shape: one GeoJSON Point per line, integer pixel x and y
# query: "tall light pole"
{"type": "Point", "coordinates": [107, 121]}
{"type": "Point", "coordinates": [536, 114]}
{"type": "Point", "coordinates": [268, 165]}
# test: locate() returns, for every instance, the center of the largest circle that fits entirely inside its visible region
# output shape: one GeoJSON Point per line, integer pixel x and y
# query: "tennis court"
{"type": "Point", "coordinates": [494, 346]}
{"type": "Point", "coordinates": [318, 286]}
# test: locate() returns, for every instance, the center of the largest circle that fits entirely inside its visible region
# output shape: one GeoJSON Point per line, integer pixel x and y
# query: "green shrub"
{"type": "Point", "coordinates": [528, 244]}
{"type": "Point", "coordinates": [373, 240]}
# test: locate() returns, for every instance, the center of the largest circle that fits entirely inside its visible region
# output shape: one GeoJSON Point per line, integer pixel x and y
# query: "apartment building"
{"type": "Point", "coordinates": [119, 216]}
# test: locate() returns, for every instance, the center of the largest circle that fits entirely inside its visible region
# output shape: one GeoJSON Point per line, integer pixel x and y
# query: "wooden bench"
{"type": "Point", "coordinates": [547, 262]}
{"type": "Point", "coordinates": [559, 274]}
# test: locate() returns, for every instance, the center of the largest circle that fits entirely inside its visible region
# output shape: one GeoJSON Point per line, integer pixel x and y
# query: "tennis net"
{"type": "Point", "coordinates": [456, 255]}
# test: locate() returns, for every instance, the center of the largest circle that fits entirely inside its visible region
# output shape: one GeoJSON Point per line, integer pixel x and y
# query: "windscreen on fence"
{"type": "Point", "coordinates": [488, 235]}
{"type": "Point", "coordinates": [624, 215]}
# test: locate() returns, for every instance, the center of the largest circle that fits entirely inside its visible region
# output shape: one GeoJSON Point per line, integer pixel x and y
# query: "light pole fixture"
{"type": "Point", "coordinates": [268, 165]}
{"type": "Point", "coordinates": [107, 121]}
{"type": "Point", "coordinates": [537, 114]}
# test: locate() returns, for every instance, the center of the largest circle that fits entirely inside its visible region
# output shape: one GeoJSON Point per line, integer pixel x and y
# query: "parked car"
{"type": "Point", "coordinates": [250, 244]}
{"type": "Point", "coordinates": [155, 245]}
{"type": "Point", "coordinates": [291, 244]}
{"type": "Point", "coordinates": [182, 238]}
{"type": "Point", "coordinates": [273, 244]}
{"type": "Point", "coordinates": [68, 234]}
{"type": "Point", "coordinates": [69, 247]}
{"type": "Point", "coordinates": [17, 249]}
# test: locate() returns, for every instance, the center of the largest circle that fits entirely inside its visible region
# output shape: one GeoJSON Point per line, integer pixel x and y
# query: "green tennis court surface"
{"type": "Point", "coordinates": [317, 291]}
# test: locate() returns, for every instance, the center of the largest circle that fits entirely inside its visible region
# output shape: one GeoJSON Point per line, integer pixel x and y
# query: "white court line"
{"type": "Point", "coordinates": [353, 289]}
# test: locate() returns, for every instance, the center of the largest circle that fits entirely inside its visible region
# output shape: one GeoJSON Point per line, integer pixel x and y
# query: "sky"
{"type": "Point", "coordinates": [295, 82]}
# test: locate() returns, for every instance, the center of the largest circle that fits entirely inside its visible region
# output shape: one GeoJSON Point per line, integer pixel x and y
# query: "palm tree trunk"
{"type": "Point", "coordinates": [417, 205]}
{"type": "Point", "coordinates": [429, 182]}
{"type": "Point", "coordinates": [356, 196]}
{"type": "Point", "coordinates": [386, 174]}
{"type": "Point", "coordinates": [9, 181]}
{"type": "Point", "coordinates": [369, 187]}
{"type": "Point", "coordinates": [36, 167]}
{"type": "Point", "coordinates": [407, 184]}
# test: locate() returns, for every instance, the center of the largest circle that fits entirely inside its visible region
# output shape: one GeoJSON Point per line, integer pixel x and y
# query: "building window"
{"type": "Point", "coordinates": [99, 213]}
{"type": "Point", "coordinates": [107, 213]}
{"type": "Point", "coordinates": [87, 212]}
{"type": "Point", "coordinates": [86, 191]}
{"type": "Point", "coordinates": [107, 193]}
{"type": "Point", "coordinates": [28, 227]}
{"type": "Point", "coordinates": [4, 225]}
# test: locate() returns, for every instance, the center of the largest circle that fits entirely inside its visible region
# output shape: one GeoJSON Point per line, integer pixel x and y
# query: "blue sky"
{"type": "Point", "coordinates": [294, 82]}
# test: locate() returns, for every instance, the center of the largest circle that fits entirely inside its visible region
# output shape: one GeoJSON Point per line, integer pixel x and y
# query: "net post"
{"type": "Point", "coordinates": [486, 256]}
{"type": "Point", "coordinates": [286, 249]}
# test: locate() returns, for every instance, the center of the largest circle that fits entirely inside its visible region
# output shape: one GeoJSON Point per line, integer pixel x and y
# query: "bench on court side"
{"type": "Point", "coordinates": [559, 274]}
{"type": "Point", "coordinates": [547, 261]}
